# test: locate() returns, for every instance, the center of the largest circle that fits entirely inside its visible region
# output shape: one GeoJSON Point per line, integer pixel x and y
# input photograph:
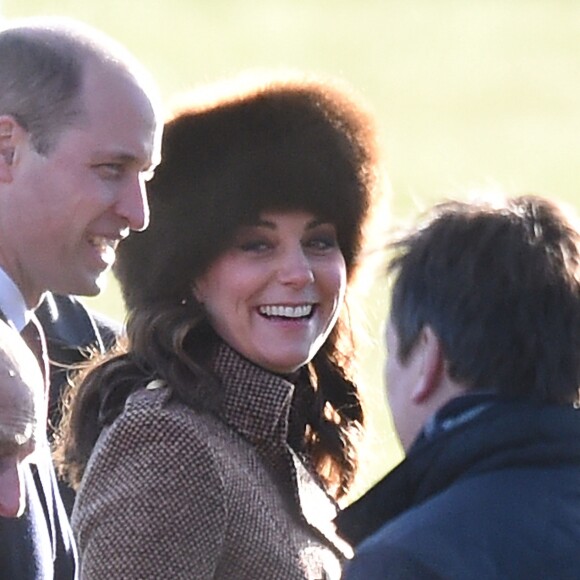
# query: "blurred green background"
{"type": "Point", "coordinates": [468, 95]}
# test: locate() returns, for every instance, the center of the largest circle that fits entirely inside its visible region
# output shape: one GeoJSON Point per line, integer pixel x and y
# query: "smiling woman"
{"type": "Point", "coordinates": [225, 430]}
{"type": "Point", "coordinates": [275, 295]}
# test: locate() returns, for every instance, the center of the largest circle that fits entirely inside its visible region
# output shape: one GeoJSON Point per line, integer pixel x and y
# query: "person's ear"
{"type": "Point", "coordinates": [11, 133]}
{"type": "Point", "coordinates": [432, 365]}
{"type": "Point", "coordinates": [198, 291]}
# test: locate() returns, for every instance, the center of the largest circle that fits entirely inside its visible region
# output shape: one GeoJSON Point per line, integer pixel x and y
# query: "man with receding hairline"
{"type": "Point", "coordinates": [80, 128]}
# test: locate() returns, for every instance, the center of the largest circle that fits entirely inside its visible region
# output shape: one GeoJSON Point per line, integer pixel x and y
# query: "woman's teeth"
{"type": "Point", "coordinates": [287, 311]}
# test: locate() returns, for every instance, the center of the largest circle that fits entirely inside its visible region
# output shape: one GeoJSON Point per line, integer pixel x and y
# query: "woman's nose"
{"type": "Point", "coordinates": [295, 269]}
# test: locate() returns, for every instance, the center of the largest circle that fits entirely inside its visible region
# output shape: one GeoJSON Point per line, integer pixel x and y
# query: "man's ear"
{"type": "Point", "coordinates": [11, 133]}
{"type": "Point", "coordinates": [432, 365]}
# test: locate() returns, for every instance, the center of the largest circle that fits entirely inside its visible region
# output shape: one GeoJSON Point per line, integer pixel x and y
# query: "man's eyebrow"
{"type": "Point", "coordinates": [127, 158]}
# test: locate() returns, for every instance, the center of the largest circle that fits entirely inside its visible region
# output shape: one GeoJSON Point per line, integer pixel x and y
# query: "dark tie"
{"type": "Point", "coordinates": [33, 335]}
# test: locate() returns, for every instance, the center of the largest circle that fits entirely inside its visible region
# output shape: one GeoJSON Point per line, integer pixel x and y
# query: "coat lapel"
{"type": "Point", "coordinates": [317, 508]}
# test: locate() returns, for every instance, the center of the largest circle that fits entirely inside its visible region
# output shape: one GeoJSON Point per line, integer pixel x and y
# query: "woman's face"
{"type": "Point", "coordinates": [275, 295]}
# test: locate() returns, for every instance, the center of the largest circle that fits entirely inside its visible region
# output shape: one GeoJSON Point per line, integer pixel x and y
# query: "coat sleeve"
{"type": "Point", "coordinates": [152, 502]}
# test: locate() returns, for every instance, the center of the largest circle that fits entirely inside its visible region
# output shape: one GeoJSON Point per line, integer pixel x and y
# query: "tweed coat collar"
{"type": "Point", "coordinates": [259, 405]}
{"type": "Point", "coordinates": [256, 402]}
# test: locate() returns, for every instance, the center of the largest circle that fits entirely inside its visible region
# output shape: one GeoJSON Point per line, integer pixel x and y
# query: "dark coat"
{"type": "Point", "coordinates": [71, 331]}
{"type": "Point", "coordinates": [39, 544]}
{"type": "Point", "coordinates": [490, 491]}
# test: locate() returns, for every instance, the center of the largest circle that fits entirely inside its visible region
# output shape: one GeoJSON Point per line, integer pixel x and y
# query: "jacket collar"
{"type": "Point", "coordinates": [256, 402]}
{"type": "Point", "coordinates": [261, 406]}
{"type": "Point", "coordinates": [502, 434]}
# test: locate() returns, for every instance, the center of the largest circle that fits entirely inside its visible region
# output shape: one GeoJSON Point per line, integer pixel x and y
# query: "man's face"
{"type": "Point", "coordinates": [66, 212]}
{"type": "Point", "coordinates": [401, 379]}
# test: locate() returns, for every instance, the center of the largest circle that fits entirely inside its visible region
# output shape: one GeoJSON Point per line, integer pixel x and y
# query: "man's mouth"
{"type": "Point", "coordinates": [105, 246]}
{"type": "Point", "coordinates": [103, 242]}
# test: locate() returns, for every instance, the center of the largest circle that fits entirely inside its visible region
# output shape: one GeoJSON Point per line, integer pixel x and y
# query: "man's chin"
{"type": "Point", "coordinates": [100, 284]}
{"type": "Point", "coordinates": [90, 287]}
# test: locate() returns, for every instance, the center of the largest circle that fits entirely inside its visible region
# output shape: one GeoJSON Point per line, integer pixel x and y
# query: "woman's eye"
{"type": "Point", "coordinates": [255, 246]}
{"type": "Point", "coordinates": [322, 243]}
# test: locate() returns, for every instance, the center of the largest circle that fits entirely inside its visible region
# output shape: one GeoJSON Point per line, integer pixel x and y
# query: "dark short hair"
{"type": "Point", "coordinates": [288, 143]}
{"type": "Point", "coordinates": [500, 287]}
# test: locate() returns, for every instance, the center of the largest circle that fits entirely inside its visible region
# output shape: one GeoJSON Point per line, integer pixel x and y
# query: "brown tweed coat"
{"type": "Point", "coordinates": [175, 494]}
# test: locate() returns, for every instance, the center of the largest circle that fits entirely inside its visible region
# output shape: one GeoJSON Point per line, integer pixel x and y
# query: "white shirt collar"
{"type": "Point", "coordinates": [12, 302]}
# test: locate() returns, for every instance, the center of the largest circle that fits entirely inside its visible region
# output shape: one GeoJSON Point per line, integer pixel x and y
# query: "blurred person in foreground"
{"type": "Point", "coordinates": [79, 134]}
{"type": "Point", "coordinates": [216, 444]}
{"type": "Point", "coordinates": [22, 418]}
{"type": "Point", "coordinates": [482, 377]}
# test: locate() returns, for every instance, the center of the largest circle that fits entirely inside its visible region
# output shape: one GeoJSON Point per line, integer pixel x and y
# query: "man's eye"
{"type": "Point", "coordinates": [110, 170]}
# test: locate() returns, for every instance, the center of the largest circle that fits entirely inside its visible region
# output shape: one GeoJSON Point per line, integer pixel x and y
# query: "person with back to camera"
{"type": "Point", "coordinates": [215, 445]}
{"type": "Point", "coordinates": [483, 373]}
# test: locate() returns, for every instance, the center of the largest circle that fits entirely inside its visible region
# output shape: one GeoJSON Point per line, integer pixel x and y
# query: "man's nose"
{"type": "Point", "coordinates": [132, 205]}
{"type": "Point", "coordinates": [12, 492]}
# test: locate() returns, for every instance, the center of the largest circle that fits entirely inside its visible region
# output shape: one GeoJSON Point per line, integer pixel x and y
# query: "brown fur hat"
{"type": "Point", "coordinates": [281, 142]}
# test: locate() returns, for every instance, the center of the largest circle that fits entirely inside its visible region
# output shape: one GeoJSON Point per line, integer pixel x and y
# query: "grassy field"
{"type": "Point", "coordinates": [468, 95]}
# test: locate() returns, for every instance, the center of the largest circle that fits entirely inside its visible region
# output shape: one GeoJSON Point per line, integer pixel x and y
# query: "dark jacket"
{"type": "Point", "coordinates": [491, 490]}
{"type": "Point", "coordinates": [71, 332]}
{"type": "Point", "coordinates": [39, 544]}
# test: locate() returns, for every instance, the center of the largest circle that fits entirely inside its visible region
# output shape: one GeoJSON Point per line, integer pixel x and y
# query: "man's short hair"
{"type": "Point", "coordinates": [499, 285]}
{"type": "Point", "coordinates": [42, 66]}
